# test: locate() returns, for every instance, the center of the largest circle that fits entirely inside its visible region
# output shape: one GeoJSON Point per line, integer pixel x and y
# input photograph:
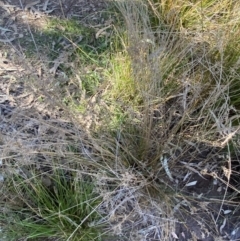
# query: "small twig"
{"type": "Point", "coordinates": [164, 162]}
{"type": "Point", "coordinates": [70, 5]}
{"type": "Point", "coordinates": [227, 173]}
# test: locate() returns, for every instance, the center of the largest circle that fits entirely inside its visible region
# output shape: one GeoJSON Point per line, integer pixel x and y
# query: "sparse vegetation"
{"type": "Point", "coordinates": [134, 130]}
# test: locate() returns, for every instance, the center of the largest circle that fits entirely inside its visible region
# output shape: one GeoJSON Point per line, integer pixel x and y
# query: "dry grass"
{"type": "Point", "coordinates": [154, 129]}
{"type": "Point", "coordinates": [184, 70]}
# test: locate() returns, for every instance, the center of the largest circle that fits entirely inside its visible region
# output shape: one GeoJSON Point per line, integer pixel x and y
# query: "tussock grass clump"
{"type": "Point", "coordinates": [184, 74]}
{"type": "Point", "coordinates": [47, 186]}
{"type": "Point", "coordinates": [141, 142]}
{"type": "Point", "coordinates": [59, 206]}
{"type": "Point", "coordinates": [181, 68]}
